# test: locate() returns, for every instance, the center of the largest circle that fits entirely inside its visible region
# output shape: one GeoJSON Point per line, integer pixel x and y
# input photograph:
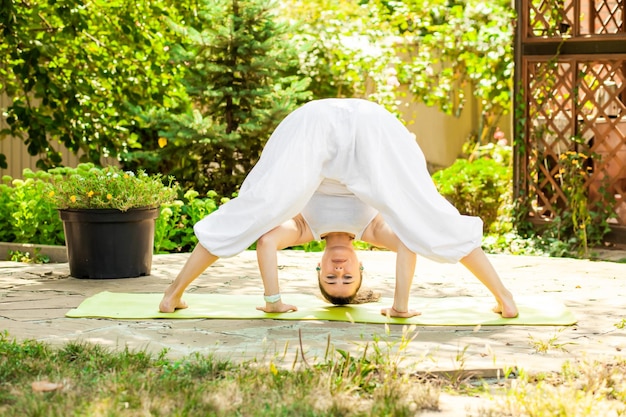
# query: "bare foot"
{"type": "Point", "coordinates": [392, 312]}
{"type": "Point", "coordinates": [278, 307]}
{"type": "Point", "coordinates": [171, 303]}
{"type": "Point", "coordinates": [507, 307]}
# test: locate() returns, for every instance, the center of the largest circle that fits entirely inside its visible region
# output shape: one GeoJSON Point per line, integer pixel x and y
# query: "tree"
{"type": "Point", "coordinates": [344, 48]}
{"type": "Point", "coordinates": [241, 75]}
{"type": "Point", "coordinates": [77, 71]}
{"type": "Point", "coordinates": [194, 88]}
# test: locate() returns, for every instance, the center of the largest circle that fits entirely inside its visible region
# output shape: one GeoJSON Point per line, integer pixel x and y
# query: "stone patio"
{"type": "Point", "coordinates": [35, 298]}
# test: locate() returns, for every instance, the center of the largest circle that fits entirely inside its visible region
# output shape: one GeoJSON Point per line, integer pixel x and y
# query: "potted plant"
{"type": "Point", "coordinates": [108, 218]}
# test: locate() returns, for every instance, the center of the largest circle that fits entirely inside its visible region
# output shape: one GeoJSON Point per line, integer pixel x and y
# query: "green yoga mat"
{"type": "Point", "coordinates": [450, 311]}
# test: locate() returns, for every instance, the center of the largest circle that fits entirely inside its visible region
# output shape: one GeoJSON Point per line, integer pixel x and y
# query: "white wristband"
{"type": "Point", "coordinates": [272, 298]}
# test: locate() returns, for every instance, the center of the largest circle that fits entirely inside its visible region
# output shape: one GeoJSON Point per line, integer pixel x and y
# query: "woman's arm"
{"type": "Point", "coordinates": [293, 232]}
{"type": "Point", "coordinates": [379, 233]}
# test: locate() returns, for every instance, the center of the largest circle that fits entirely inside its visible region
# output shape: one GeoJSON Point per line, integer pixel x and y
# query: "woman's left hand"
{"type": "Point", "coordinates": [278, 307]}
{"type": "Point", "coordinates": [392, 312]}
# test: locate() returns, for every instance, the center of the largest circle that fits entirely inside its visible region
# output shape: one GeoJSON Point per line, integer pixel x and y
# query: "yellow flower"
{"type": "Point", "coordinates": [109, 197]}
{"type": "Point", "coordinates": [162, 142]}
{"type": "Point", "coordinates": [51, 194]}
{"type": "Point", "coordinates": [126, 176]}
{"type": "Point", "coordinates": [73, 199]}
{"type": "Point", "coordinates": [90, 194]}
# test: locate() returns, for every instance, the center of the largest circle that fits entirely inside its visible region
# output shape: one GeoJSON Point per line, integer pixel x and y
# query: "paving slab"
{"type": "Point", "coordinates": [35, 298]}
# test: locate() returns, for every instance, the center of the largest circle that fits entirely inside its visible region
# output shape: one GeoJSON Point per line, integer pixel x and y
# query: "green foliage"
{"type": "Point", "coordinates": [240, 76]}
{"type": "Point", "coordinates": [345, 49]}
{"type": "Point", "coordinates": [481, 186]}
{"type": "Point", "coordinates": [89, 187]}
{"type": "Point", "coordinates": [578, 225]}
{"type": "Point", "coordinates": [194, 89]}
{"type": "Point", "coordinates": [26, 216]}
{"type": "Point", "coordinates": [28, 207]}
{"type": "Point", "coordinates": [581, 223]}
{"type": "Point", "coordinates": [456, 48]}
{"type": "Point", "coordinates": [75, 71]}
{"type": "Point", "coordinates": [26, 257]}
{"type": "Point", "coordinates": [313, 246]}
{"type": "Point", "coordinates": [572, 178]}
{"type": "Point", "coordinates": [174, 226]}
{"type": "Point", "coordinates": [476, 188]}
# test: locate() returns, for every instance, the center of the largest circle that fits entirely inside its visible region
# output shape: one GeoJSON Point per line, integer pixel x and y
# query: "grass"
{"type": "Point", "coordinates": [89, 380]}
{"type": "Point", "coordinates": [549, 344]}
{"type": "Point", "coordinates": [582, 389]}
{"type": "Point", "coordinates": [80, 379]}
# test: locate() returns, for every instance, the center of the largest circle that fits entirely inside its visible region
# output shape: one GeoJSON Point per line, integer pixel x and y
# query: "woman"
{"type": "Point", "coordinates": [353, 156]}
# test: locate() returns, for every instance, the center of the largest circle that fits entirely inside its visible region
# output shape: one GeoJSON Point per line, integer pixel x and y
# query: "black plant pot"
{"type": "Point", "coordinates": [109, 243]}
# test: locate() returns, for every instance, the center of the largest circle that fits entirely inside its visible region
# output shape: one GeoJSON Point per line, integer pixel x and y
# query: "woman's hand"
{"type": "Point", "coordinates": [392, 312]}
{"type": "Point", "coordinates": [277, 307]}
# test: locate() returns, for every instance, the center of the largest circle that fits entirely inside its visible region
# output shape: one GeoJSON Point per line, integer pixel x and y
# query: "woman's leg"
{"type": "Point", "coordinates": [199, 260]}
{"type": "Point", "coordinates": [277, 188]}
{"type": "Point", "coordinates": [479, 265]}
{"type": "Point", "coordinates": [389, 173]}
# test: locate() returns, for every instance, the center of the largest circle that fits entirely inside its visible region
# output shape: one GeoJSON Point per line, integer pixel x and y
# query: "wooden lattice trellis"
{"type": "Point", "coordinates": [571, 84]}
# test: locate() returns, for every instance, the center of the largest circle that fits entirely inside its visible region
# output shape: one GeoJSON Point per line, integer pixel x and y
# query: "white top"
{"type": "Point", "coordinates": [333, 208]}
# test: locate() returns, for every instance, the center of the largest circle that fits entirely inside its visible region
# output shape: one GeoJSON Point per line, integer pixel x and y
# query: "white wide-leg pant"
{"type": "Point", "coordinates": [362, 145]}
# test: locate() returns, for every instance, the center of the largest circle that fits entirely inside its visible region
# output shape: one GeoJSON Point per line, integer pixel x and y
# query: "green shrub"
{"type": "Point", "coordinates": [476, 188]}
{"type": "Point", "coordinates": [174, 227]}
{"type": "Point", "coordinates": [6, 192]}
{"type": "Point", "coordinates": [26, 216]}
{"type": "Point", "coordinates": [91, 187]}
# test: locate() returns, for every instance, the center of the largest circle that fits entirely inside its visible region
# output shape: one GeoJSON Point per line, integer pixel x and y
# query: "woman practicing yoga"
{"type": "Point", "coordinates": [341, 169]}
